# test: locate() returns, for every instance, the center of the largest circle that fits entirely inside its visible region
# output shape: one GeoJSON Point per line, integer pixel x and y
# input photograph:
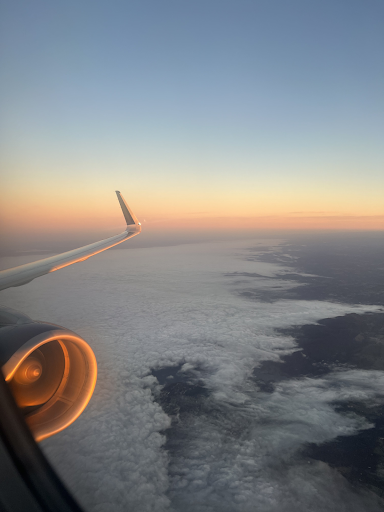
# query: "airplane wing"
{"type": "Point", "coordinates": [52, 378]}
{"type": "Point", "coordinates": [23, 274]}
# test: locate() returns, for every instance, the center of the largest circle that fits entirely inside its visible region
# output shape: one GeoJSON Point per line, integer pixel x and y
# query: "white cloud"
{"type": "Point", "coordinates": [149, 308]}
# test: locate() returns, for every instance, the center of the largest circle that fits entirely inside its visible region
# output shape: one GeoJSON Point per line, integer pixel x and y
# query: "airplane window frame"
{"type": "Point", "coordinates": [28, 481]}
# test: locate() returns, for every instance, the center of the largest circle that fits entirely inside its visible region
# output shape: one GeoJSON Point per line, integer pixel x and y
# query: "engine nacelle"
{"type": "Point", "coordinates": [51, 371]}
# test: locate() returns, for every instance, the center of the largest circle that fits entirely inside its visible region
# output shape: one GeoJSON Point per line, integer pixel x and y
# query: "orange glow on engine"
{"type": "Point", "coordinates": [29, 371]}
{"type": "Point", "coordinates": [52, 378]}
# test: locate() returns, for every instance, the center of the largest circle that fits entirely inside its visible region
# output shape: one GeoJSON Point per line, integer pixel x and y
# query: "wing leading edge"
{"type": "Point", "coordinates": [23, 274]}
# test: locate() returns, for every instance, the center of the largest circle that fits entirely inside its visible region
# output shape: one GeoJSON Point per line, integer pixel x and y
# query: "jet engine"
{"type": "Point", "coordinates": [50, 370]}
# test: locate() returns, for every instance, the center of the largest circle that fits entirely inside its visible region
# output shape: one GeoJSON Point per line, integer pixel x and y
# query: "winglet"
{"type": "Point", "coordinates": [23, 274]}
{"type": "Point", "coordinates": [129, 216]}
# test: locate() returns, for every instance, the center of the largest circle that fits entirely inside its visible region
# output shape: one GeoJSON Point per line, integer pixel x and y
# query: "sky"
{"type": "Point", "coordinates": [205, 115]}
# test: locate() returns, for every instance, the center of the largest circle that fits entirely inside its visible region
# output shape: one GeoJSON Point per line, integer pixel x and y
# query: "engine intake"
{"type": "Point", "coordinates": [52, 374]}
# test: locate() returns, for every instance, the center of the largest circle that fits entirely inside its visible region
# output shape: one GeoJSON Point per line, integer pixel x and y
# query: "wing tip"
{"type": "Point", "coordinates": [129, 216]}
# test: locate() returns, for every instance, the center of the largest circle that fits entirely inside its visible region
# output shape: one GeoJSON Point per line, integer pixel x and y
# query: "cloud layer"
{"type": "Point", "coordinates": [151, 308]}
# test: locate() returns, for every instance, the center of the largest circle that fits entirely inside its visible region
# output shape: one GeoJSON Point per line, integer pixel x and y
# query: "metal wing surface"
{"type": "Point", "coordinates": [23, 274]}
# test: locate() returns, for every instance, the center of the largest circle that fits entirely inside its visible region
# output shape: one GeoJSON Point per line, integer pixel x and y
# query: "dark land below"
{"type": "Point", "coordinates": [348, 269]}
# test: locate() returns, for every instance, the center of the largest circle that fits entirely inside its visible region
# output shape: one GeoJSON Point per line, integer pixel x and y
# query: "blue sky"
{"type": "Point", "coordinates": [283, 96]}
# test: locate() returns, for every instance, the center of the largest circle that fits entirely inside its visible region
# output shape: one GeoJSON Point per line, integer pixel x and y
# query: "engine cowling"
{"type": "Point", "coordinates": [50, 370]}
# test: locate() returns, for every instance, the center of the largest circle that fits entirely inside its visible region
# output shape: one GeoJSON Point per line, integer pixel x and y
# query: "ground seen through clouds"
{"type": "Point", "coordinates": [233, 376]}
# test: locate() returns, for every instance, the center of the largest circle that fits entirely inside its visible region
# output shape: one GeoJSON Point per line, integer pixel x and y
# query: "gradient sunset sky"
{"type": "Point", "coordinates": [203, 113]}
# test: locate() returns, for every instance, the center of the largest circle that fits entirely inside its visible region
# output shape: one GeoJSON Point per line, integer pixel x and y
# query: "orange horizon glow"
{"type": "Point", "coordinates": [114, 224]}
{"type": "Point", "coordinates": [98, 210]}
{"type": "Point", "coordinates": [241, 144]}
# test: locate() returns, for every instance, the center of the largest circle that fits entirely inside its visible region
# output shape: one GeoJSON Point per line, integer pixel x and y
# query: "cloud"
{"type": "Point", "coordinates": [247, 459]}
{"type": "Point", "coordinates": [151, 308]}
